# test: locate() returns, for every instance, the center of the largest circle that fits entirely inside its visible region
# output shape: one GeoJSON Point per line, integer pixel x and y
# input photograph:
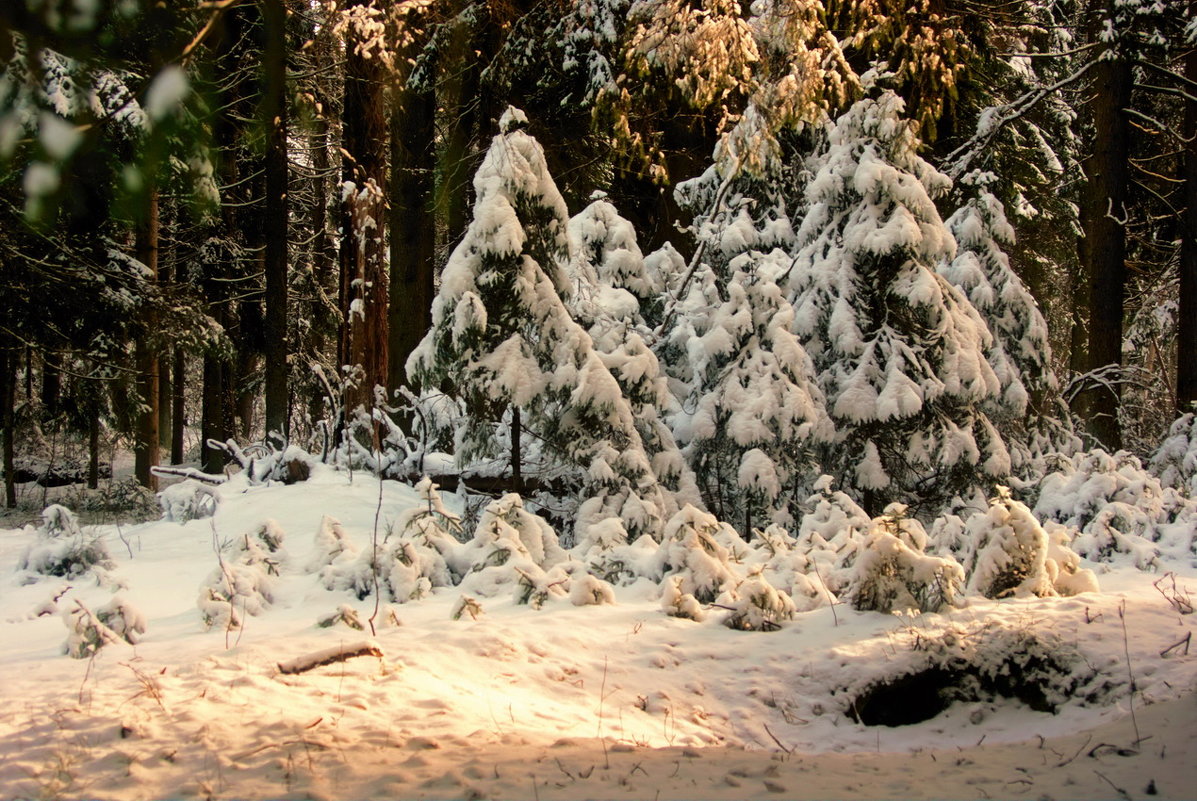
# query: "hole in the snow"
{"type": "Point", "coordinates": [919, 696]}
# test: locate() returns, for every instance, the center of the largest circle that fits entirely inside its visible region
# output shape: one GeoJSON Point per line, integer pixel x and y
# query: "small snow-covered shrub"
{"type": "Point", "coordinates": [797, 574]}
{"type": "Point", "coordinates": [606, 552]}
{"type": "Point", "coordinates": [466, 607]}
{"type": "Point", "coordinates": [756, 605]}
{"type": "Point", "coordinates": [506, 527]}
{"type": "Point", "coordinates": [535, 586]}
{"type": "Point", "coordinates": [1119, 508]}
{"type": "Point", "coordinates": [87, 634]}
{"type": "Point", "coordinates": [431, 520]}
{"type": "Point", "coordinates": [345, 614]}
{"type": "Point", "coordinates": [1175, 461]}
{"type": "Point", "coordinates": [188, 500]}
{"type": "Point", "coordinates": [892, 574]}
{"type": "Point", "coordinates": [123, 618]}
{"type": "Point", "coordinates": [62, 548]}
{"type": "Point", "coordinates": [691, 551]}
{"type": "Point", "coordinates": [1014, 556]}
{"type": "Point", "coordinates": [587, 590]}
{"type": "Point", "coordinates": [405, 567]}
{"type": "Point", "coordinates": [332, 546]}
{"type": "Point", "coordinates": [832, 533]}
{"type": "Point", "coordinates": [1010, 551]}
{"type": "Point", "coordinates": [1064, 565]}
{"type": "Point", "coordinates": [675, 602]}
{"type": "Point", "coordinates": [241, 584]}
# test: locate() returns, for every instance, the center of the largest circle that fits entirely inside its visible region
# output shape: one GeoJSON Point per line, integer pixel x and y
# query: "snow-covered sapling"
{"type": "Point", "coordinates": [86, 633]}
{"type": "Point", "coordinates": [756, 605]}
{"type": "Point", "coordinates": [188, 500]}
{"type": "Point", "coordinates": [892, 574]}
{"type": "Point", "coordinates": [116, 621]}
{"type": "Point", "coordinates": [1010, 551]}
{"type": "Point", "coordinates": [62, 548]}
{"type": "Point", "coordinates": [676, 602]}
{"type": "Point", "coordinates": [691, 552]}
{"type": "Point", "coordinates": [345, 614]}
{"type": "Point", "coordinates": [588, 590]}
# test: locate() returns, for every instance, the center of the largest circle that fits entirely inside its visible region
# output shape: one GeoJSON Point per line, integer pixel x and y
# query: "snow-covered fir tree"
{"type": "Point", "coordinates": [756, 410]}
{"type": "Point", "coordinates": [504, 343]}
{"type": "Point", "coordinates": [614, 292]}
{"type": "Point", "coordinates": [751, 408]}
{"type": "Point", "coordinates": [899, 353]}
{"type": "Point", "coordinates": [1027, 412]}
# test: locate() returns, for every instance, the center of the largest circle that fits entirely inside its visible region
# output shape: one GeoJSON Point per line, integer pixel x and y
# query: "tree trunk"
{"type": "Point", "coordinates": [93, 444]}
{"type": "Point", "coordinates": [412, 229]}
{"type": "Point", "coordinates": [274, 107]}
{"type": "Point", "coordinates": [459, 98]}
{"type": "Point", "coordinates": [1186, 337]}
{"type": "Point", "coordinates": [363, 254]}
{"type": "Point", "coordinates": [165, 385]}
{"type": "Point", "coordinates": [146, 448]}
{"type": "Point", "coordinates": [517, 477]}
{"type": "Point", "coordinates": [1103, 208]}
{"type": "Point", "coordinates": [178, 417]}
{"type": "Point", "coordinates": [8, 402]}
{"type": "Point", "coordinates": [212, 414]}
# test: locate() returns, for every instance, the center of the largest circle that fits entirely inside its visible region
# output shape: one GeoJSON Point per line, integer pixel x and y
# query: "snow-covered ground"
{"type": "Point", "coordinates": [615, 700]}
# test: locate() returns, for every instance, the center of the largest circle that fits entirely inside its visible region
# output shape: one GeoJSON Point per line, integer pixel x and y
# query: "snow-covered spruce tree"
{"type": "Point", "coordinates": [756, 409]}
{"type": "Point", "coordinates": [1013, 555]}
{"type": "Point", "coordinates": [899, 353]}
{"type": "Point", "coordinates": [832, 533]}
{"type": "Point", "coordinates": [503, 341]}
{"type": "Point", "coordinates": [614, 296]}
{"type": "Point", "coordinates": [891, 573]}
{"type": "Point", "coordinates": [751, 407]}
{"type": "Point", "coordinates": [690, 549]}
{"type": "Point", "coordinates": [1028, 412]}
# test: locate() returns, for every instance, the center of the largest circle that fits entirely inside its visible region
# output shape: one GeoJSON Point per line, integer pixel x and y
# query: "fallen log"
{"type": "Point", "coordinates": [329, 656]}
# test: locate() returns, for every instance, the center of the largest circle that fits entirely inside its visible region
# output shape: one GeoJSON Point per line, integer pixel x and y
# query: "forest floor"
{"type": "Point", "coordinates": [612, 701]}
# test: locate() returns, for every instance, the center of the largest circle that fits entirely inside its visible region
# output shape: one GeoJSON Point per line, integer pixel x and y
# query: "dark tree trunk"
{"type": "Point", "coordinates": [1186, 337]}
{"type": "Point", "coordinates": [212, 414]}
{"type": "Point", "coordinates": [459, 98]}
{"type": "Point", "coordinates": [165, 385]}
{"type": "Point", "coordinates": [8, 402]}
{"type": "Point", "coordinates": [1103, 209]}
{"type": "Point", "coordinates": [412, 230]}
{"type": "Point", "coordinates": [178, 417]}
{"type": "Point", "coordinates": [146, 448]}
{"type": "Point", "coordinates": [274, 107]}
{"type": "Point", "coordinates": [517, 459]}
{"type": "Point", "coordinates": [93, 444]}
{"type": "Point", "coordinates": [363, 240]}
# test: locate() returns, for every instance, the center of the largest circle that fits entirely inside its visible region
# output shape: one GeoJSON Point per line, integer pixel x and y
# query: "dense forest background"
{"type": "Point", "coordinates": [618, 255]}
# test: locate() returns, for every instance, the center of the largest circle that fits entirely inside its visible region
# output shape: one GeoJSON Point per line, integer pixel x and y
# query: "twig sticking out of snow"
{"type": "Point", "coordinates": [328, 656]}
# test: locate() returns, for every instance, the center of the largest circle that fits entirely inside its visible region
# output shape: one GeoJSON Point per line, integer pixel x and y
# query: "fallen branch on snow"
{"type": "Point", "coordinates": [328, 656]}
